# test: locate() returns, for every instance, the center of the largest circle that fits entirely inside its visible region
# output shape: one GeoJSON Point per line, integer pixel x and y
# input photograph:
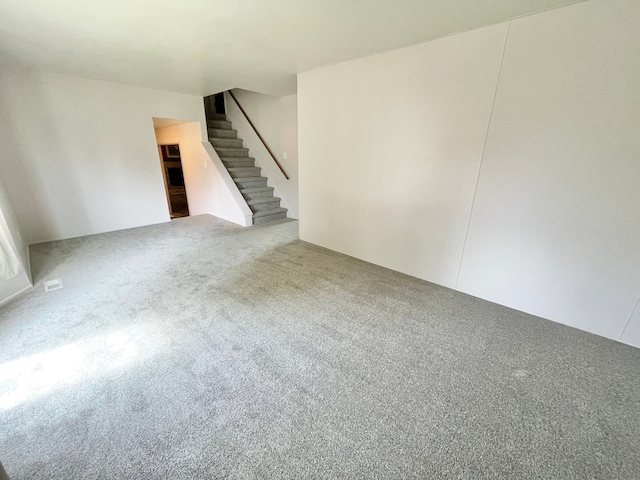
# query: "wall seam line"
{"type": "Point", "coordinates": [626, 324]}
{"type": "Point", "coordinates": [484, 146]}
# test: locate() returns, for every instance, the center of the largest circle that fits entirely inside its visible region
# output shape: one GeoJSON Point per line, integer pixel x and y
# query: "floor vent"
{"type": "Point", "coordinates": [51, 285]}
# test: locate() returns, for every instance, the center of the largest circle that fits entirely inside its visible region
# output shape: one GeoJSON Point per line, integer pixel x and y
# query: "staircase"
{"type": "Point", "coordinates": [242, 168]}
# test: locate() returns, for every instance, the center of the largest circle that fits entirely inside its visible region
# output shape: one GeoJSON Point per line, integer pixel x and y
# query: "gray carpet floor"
{"type": "Point", "coordinates": [199, 349]}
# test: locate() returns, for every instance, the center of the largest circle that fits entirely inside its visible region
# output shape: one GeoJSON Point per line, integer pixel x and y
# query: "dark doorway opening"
{"type": "Point", "coordinates": [174, 179]}
{"type": "Point", "coordinates": [214, 104]}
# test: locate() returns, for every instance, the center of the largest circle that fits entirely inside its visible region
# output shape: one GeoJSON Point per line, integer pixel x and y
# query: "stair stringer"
{"type": "Point", "coordinates": [257, 150]}
{"type": "Point", "coordinates": [230, 184]}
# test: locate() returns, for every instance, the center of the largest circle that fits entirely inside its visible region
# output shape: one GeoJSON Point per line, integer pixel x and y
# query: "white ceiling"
{"type": "Point", "coordinates": [206, 46]}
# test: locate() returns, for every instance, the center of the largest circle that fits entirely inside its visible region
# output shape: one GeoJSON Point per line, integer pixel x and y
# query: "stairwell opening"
{"type": "Point", "coordinates": [214, 104]}
{"type": "Point", "coordinates": [248, 175]}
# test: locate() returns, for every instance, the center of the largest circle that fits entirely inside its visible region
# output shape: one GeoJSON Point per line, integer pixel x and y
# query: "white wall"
{"type": "Point", "coordinates": [207, 191]}
{"type": "Point", "coordinates": [390, 147]}
{"type": "Point", "coordinates": [80, 155]}
{"type": "Point", "coordinates": [9, 224]}
{"type": "Point", "coordinates": [556, 222]}
{"type": "Point", "coordinates": [276, 119]}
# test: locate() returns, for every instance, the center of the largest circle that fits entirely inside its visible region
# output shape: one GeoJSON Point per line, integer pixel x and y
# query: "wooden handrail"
{"type": "Point", "coordinates": [258, 133]}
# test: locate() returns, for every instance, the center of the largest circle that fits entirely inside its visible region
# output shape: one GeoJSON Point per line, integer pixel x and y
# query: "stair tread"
{"type": "Point", "coordinates": [242, 169]}
{"type": "Point", "coordinates": [239, 163]}
{"type": "Point", "coordinates": [227, 142]}
{"type": "Point", "coordinates": [258, 201]}
{"type": "Point", "coordinates": [214, 133]}
{"type": "Point", "coordinates": [270, 211]}
{"type": "Point", "coordinates": [234, 153]}
{"type": "Point", "coordinates": [220, 124]}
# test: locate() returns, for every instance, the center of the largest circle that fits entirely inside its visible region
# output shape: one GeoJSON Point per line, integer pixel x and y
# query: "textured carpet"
{"type": "Point", "coordinates": [199, 349]}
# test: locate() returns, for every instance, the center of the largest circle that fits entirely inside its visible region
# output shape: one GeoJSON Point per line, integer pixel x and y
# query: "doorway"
{"type": "Point", "coordinates": [214, 104]}
{"type": "Point", "coordinates": [174, 180]}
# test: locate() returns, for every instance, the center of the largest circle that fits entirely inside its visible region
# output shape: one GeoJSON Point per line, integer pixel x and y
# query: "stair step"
{"type": "Point", "coordinates": [244, 172]}
{"type": "Point", "coordinates": [222, 133]}
{"type": "Point", "coordinates": [265, 203]}
{"type": "Point", "coordinates": [269, 218]}
{"type": "Point", "coordinates": [232, 151]}
{"type": "Point", "coordinates": [226, 142]}
{"type": "Point", "coordinates": [269, 211]}
{"type": "Point", "coordinates": [226, 158]}
{"type": "Point", "coordinates": [250, 182]}
{"type": "Point", "coordinates": [257, 201]}
{"type": "Point", "coordinates": [220, 124]}
{"type": "Point", "coordinates": [238, 162]}
{"type": "Point", "coordinates": [266, 216]}
{"type": "Point", "coordinates": [217, 116]}
{"type": "Point", "coordinates": [256, 192]}
{"type": "Point", "coordinates": [260, 207]}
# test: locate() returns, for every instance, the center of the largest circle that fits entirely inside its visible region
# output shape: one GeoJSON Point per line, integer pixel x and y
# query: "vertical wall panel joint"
{"type": "Point", "coordinates": [626, 324]}
{"type": "Point", "coordinates": [484, 146]}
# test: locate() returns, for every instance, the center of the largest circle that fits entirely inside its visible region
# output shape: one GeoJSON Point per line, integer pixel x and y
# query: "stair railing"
{"type": "Point", "coordinates": [258, 134]}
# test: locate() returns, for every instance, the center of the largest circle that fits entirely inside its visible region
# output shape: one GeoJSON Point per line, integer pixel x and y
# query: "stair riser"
{"type": "Point", "coordinates": [251, 183]}
{"type": "Point", "coordinates": [245, 173]}
{"type": "Point", "coordinates": [220, 124]}
{"type": "Point", "coordinates": [269, 218]}
{"type": "Point", "coordinates": [232, 153]}
{"type": "Point", "coordinates": [239, 163]}
{"type": "Point", "coordinates": [227, 142]}
{"type": "Point", "coordinates": [256, 195]}
{"type": "Point", "coordinates": [264, 206]}
{"type": "Point", "coordinates": [222, 134]}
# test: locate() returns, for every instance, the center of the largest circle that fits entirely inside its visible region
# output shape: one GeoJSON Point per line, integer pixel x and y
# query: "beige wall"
{"type": "Point", "coordinates": [510, 177]}
{"type": "Point", "coordinates": [207, 192]}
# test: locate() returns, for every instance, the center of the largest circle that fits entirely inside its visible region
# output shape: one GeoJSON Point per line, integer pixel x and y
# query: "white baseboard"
{"type": "Point", "coordinates": [19, 292]}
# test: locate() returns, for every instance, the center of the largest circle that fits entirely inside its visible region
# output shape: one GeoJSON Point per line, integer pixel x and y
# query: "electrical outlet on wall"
{"type": "Point", "coordinates": [284, 155]}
